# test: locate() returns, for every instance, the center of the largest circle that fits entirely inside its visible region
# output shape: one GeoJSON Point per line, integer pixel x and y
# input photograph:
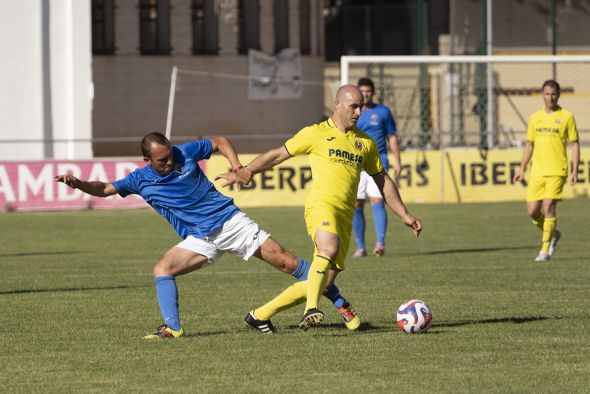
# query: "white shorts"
{"type": "Point", "coordinates": [240, 236]}
{"type": "Point", "coordinates": [367, 187]}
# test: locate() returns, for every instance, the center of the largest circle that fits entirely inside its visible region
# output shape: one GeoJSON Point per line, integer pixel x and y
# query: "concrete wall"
{"type": "Point", "coordinates": [45, 85]}
{"type": "Point", "coordinates": [132, 91]}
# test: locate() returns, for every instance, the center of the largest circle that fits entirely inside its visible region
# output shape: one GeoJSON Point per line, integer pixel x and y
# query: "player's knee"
{"type": "Point", "coordinates": [534, 212]}
{"type": "Point", "coordinates": [283, 261]}
{"type": "Point", "coordinates": [330, 251]}
{"type": "Point", "coordinates": [290, 263]}
{"type": "Point", "coordinates": [163, 267]}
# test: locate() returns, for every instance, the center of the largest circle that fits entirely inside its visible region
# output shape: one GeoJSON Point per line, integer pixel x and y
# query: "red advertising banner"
{"type": "Point", "coordinates": [30, 186]}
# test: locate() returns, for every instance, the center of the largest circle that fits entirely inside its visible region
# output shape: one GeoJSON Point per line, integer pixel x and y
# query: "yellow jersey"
{"type": "Point", "coordinates": [336, 160]}
{"type": "Point", "coordinates": [549, 134]}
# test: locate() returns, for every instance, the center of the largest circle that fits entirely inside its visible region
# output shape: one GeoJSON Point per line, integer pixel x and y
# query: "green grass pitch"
{"type": "Point", "coordinates": [76, 297]}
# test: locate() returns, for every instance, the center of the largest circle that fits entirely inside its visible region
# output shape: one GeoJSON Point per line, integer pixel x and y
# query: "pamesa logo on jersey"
{"type": "Point", "coordinates": [344, 155]}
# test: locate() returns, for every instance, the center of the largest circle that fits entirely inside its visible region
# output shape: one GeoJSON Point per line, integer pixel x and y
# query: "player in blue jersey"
{"type": "Point", "coordinates": [208, 222]}
{"type": "Point", "coordinates": [376, 121]}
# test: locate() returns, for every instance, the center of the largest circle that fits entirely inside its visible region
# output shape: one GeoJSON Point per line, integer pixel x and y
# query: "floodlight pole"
{"type": "Point", "coordinates": [171, 101]}
{"type": "Point", "coordinates": [490, 76]}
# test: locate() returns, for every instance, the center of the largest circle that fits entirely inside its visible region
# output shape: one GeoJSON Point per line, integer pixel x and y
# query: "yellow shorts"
{"type": "Point", "coordinates": [327, 218]}
{"type": "Point", "coordinates": [545, 187]}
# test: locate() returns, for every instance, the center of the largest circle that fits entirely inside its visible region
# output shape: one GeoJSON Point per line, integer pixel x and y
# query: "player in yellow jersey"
{"type": "Point", "coordinates": [549, 130]}
{"type": "Point", "coordinates": [337, 152]}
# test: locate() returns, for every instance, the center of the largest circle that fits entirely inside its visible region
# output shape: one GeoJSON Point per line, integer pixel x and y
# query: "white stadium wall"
{"type": "Point", "coordinates": [46, 86]}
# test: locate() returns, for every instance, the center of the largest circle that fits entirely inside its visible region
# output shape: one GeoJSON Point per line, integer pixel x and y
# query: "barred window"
{"type": "Point", "coordinates": [103, 27]}
{"type": "Point", "coordinates": [304, 28]}
{"type": "Point", "coordinates": [281, 24]}
{"type": "Point", "coordinates": [205, 31]}
{"type": "Point", "coordinates": [154, 27]}
{"type": "Point", "coordinates": [249, 25]}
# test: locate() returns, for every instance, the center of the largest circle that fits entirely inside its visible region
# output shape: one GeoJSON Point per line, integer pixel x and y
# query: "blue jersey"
{"type": "Point", "coordinates": [185, 197]}
{"type": "Point", "coordinates": [378, 123]}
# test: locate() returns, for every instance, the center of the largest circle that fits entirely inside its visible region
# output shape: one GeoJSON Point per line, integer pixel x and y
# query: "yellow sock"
{"type": "Point", "coordinates": [291, 296]}
{"type": "Point", "coordinates": [316, 280]}
{"type": "Point", "coordinates": [548, 233]}
{"type": "Point", "coordinates": [539, 222]}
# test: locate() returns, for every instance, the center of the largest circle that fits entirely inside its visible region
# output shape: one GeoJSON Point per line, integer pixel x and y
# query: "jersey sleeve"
{"type": "Point", "coordinates": [127, 185]}
{"type": "Point", "coordinates": [198, 150]}
{"type": "Point", "coordinates": [572, 131]}
{"type": "Point", "coordinates": [390, 126]}
{"type": "Point", "coordinates": [530, 134]}
{"type": "Point", "coordinates": [301, 143]}
{"type": "Point", "coordinates": [372, 164]}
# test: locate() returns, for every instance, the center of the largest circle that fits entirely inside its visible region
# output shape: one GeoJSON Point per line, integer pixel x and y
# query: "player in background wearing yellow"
{"type": "Point", "coordinates": [337, 152]}
{"type": "Point", "coordinates": [549, 129]}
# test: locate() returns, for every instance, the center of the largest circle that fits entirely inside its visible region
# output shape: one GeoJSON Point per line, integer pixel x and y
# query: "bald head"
{"type": "Point", "coordinates": [348, 92]}
{"type": "Point", "coordinates": [348, 106]}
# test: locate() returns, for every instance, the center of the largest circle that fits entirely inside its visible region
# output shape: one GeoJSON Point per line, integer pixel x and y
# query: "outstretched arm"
{"type": "Point", "coordinates": [227, 150]}
{"type": "Point", "coordinates": [264, 161]}
{"type": "Point", "coordinates": [269, 159]}
{"type": "Point", "coordinates": [394, 201]}
{"type": "Point", "coordinates": [526, 157]}
{"type": "Point", "coordinates": [95, 188]}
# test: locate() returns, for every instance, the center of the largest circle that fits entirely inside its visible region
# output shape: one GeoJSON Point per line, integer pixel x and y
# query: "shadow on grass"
{"type": "Point", "coordinates": [32, 291]}
{"type": "Point", "coordinates": [205, 334]}
{"type": "Point", "coordinates": [25, 254]}
{"type": "Point", "coordinates": [514, 320]}
{"type": "Point", "coordinates": [368, 328]}
{"type": "Point", "coordinates": [468, 250]}
{"type": "Point", "coordinates": [364, 327]}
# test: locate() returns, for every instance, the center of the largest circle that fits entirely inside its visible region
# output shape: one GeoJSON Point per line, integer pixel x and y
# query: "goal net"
{"type": "Point", "coordinates": [479, 101]}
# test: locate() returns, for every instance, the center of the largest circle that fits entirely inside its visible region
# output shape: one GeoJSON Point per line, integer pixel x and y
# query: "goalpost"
{"type": "Point", "coordinates": [449, 102]}
{"type": "Point", "coordinates": [452, 101]}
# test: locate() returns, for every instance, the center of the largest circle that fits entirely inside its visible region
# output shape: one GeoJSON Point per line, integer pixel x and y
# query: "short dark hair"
{"type": "Point", "coordinates": [552, 83]}
{"type": "Point", "coordinates": [153, 138]}
{"type": "Point", "coordinates": [366, 82]}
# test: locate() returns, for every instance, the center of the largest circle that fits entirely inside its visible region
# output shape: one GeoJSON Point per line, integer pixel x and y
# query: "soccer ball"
{"type": "Point", "coordinates": [414, 317]}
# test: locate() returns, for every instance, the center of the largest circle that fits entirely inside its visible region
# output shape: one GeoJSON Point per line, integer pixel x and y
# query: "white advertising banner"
{"type": "Point", "coordinates": [274, 77]}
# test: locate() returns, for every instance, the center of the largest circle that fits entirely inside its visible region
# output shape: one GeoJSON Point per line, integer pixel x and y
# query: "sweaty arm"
{"type": "Point", "coordinates": [394, 201]}
{"type": "Point", "coordinates": [94, 188]}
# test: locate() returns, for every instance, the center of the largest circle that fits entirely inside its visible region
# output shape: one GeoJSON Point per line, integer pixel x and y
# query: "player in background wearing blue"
{"type": "Point", "coordinates": [376, 121]}
{"type": "Point", "coordinates": [207, 221]}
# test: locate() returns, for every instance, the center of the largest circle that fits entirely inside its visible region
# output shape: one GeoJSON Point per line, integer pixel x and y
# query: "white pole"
{"type": "Point", "coordinates": [69, 80]}
{"type": "Point", "coordinates": [171, 101]}
{"type": "Point", "coordinates": [343, 70]}
{"type": "Point", "coordinates": [490, 77]}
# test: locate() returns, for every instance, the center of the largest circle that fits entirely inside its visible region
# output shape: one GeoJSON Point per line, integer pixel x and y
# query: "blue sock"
{"type": "Point", "coordinates": [301, 270]}
{"type": "Point", "coordinates": [333, 294]}
{"type": "Point", "coordinates": [380, 217]}
{"type": "Point", "coordinates": [358, 226]}
{"type": "Point", "coordinates": [167, 294]}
